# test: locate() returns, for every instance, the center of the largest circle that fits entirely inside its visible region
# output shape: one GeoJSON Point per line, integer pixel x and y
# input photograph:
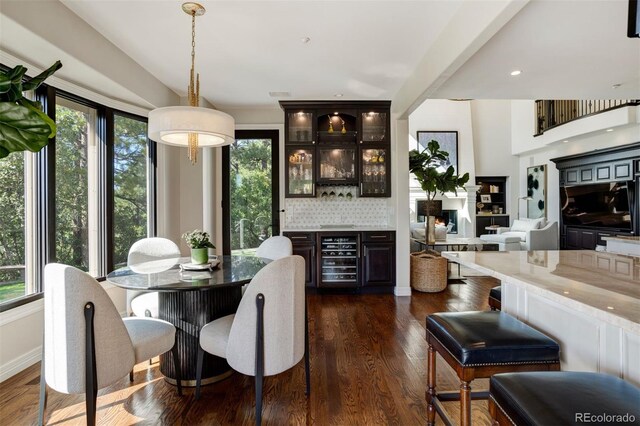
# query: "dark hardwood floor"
{"type": "Point", "coordinates": [368, 367]}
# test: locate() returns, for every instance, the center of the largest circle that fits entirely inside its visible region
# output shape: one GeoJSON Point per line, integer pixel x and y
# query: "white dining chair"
{"type": "Point", "coordinates": [87, 345]}
{"type": "Point", "coordinates": [145, 303]}
{"type": "Point", "coordinates": [268, 334]}
{"type": "Point", "coordinates": [275, 247]}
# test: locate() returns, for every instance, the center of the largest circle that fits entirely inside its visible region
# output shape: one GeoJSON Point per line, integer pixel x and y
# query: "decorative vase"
{"type": "Point", "coordinates": [199, 256]}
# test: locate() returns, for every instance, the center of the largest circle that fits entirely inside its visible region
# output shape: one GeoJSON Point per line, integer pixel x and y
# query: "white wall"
{"type": "Point", "coordinates": [491, 120]}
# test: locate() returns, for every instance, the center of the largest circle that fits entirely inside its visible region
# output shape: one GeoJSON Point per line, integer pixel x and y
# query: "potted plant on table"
{"type": "Point", "coordinates": [199, 243]}
{"type": "Point", "coordinates": [426, 165]}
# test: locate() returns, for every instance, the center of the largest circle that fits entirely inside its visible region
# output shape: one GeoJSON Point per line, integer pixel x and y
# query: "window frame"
{"type": "Point", "coordinates": [44, 163]}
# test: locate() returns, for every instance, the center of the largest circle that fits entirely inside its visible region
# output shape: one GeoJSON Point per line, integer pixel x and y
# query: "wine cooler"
{"type": "Point", "coordinates": [339, 260]}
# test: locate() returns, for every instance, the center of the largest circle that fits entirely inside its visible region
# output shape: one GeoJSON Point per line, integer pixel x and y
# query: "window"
{"type": "Point", "coordinates": [81, 201]}
{"type": "Point", "coordinates": [12, 227]}
{"type": "Point", "coordinates": [76, 217]}
{"type": "Point", "coordinates": [130, 185]}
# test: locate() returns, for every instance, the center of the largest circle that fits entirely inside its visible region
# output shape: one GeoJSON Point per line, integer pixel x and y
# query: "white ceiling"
{"type": "Point", "coordinates": [569, 49]}
{"type": "Point", "coordinates": [244, 50]}
{"type": "Point", "coordinates": [566, 49]}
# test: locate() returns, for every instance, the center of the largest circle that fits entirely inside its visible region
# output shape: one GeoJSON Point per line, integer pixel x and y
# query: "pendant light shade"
{"type": "Point", "coordinates": [191, 126]}
{"type": "Point", "coordinates": [172, 126]}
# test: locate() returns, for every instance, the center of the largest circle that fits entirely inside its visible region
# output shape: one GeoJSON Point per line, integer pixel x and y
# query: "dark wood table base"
{"type": "Point", "coordinates": [189, 311]}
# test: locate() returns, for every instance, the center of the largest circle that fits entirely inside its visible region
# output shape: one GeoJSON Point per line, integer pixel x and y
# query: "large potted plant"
{"type": "Point", "coordinates": [426, 167]}
{"type": "Point", "coordinates": [23, 125]}
{"type": "Point", "coordinates": [428, 271]}
{"type": "Point", "coordinates": [199, 243]}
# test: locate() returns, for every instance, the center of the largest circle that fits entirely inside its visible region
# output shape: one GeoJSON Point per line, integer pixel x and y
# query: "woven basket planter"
{"type": "Point", "coordinates": [428, 271]}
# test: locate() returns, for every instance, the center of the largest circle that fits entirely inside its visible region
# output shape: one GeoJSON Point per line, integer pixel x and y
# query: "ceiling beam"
{"type": "Point", "coordinates": [471, 27]}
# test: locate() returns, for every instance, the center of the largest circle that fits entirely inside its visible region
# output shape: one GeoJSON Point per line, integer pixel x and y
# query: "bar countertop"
{"type": "Point", "coordinates": [598, 284]}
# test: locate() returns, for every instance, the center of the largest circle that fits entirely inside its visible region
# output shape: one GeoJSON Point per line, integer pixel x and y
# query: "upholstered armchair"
{"type": "Point", "coordinates": [275, 247]}
{"type": "Point", "coordinates": [87, 345]}
{"type": "Point", "coordinates": [269, 333]}
{"type": "Point", "coordinates": [526, 234]}
{"type": "Point", "coordinates": [145, 303]}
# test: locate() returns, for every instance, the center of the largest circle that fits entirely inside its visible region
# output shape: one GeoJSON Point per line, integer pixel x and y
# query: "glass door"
{"type": "Point", "coordinates": [374, 126]}
{"type": "Point", "coordinates": [300, 174]}
{"type": "Point", "coordinates": [339, 260]}
{"type": "Point", "coordinates": [375, 177]}
{"type": "Point", "coordinates": [300, 127]}
{"type": "Point", "coordinates": [250, 191]}
{"type": "Point", "coordinates": [337, 165]}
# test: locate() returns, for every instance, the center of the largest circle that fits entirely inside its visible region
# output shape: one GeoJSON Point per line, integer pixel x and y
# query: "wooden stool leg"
{"type": "Point", "coordinates": [431, 386]}
{"type": "Point", "coordinates": [465, 404]}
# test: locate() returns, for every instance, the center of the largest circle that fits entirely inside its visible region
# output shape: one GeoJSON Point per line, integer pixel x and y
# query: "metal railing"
{"type": "Point", "coordinates": [553, 113]}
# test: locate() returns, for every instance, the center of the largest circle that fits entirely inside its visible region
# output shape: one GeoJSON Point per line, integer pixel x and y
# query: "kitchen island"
{"type": "Point", "coordinates": [588, 301]}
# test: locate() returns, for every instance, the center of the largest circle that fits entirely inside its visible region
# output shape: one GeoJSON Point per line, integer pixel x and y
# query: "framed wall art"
{"type": "Point", "coordinates": [537, 190]}
{"type": "Point", "coordinates": [448, 141]}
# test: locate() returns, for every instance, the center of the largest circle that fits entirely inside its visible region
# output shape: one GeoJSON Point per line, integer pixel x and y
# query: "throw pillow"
{"type": "Point", "coordinates": [523, 225]}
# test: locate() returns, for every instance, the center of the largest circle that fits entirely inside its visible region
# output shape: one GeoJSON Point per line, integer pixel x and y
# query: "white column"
{"type": "Point", "coordinates": [469, 211]}
{"type": "Point", "coordinates": [400, 189]}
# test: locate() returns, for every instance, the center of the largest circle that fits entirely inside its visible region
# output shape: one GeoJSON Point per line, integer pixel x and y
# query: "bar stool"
{"type": "Point", "coordinates": [495, 298]}
{"type": "Point", "coordinates": [479, 345]}
{"type": "Point", "coordinates": [562, 397]}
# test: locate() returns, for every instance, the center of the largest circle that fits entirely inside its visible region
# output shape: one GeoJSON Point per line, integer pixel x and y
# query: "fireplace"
{"type": "Point", "coordinates": [448, 217]}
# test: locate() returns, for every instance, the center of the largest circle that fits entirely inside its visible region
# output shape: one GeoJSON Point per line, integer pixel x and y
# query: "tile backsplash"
{"type": "Point", "coordinates": [334, 210]}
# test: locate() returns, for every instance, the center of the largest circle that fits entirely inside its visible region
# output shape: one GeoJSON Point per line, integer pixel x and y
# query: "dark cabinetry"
{"type": "Point", "coordinates": [343, 143]}
{"type": "Point", "coordinates": [600, 172]}
{"type": "Point", "coordinates": [585, 174]}
{"type": "Point", "coordinates": [491, 203]}
{"type": "Point", "coordinates": [378, 259]}
{"type": "Point", "coordinates": [347, 259]}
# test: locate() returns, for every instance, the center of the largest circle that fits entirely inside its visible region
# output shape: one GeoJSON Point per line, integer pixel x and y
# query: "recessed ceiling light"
{"type": "Point", "coordinates": [305, 40]}
{"type": "Point", "coordinates": [615, 86]}
{"type": "Point", "coordinates": [338, 95]}
{"type": "Point", "coordinates": [565, 141]}
{"type": "Point", "coordinates": [609, 130]}
{"type": "Point", "coordinates": [610, 307]}
{"type": "Point", "coordinates": [516, 72]}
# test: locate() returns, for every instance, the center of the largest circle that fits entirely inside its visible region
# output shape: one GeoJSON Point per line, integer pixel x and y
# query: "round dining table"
{"type": "Point", "coordinates": [189, 299]}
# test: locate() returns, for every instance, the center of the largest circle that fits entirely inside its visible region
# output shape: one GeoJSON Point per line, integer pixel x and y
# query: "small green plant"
{"type": "Point", "coordinates": [23, 125]}
{"type": "Point", "coordinates": [197, 239]}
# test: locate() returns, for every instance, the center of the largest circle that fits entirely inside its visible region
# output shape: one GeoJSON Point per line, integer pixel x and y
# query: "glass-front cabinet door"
{"type": "Point", "coordinates": [374, 168]}
{"type": "Point", "coordinates": [300, 174]}
{"type": "Point", "coordinates": [374, 126]}
{"type": "Point", "coordinates": [300, 127]}
{"type": "Point", "coordinates": [337, 165]}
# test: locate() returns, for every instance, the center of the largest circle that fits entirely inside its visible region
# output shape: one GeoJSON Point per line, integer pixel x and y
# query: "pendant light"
{"type": "Point", "coordinates": [191, 126]}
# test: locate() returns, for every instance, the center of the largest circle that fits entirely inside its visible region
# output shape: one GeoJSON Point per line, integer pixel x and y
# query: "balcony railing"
{"type": "Point", "coordinates": [554, 113]}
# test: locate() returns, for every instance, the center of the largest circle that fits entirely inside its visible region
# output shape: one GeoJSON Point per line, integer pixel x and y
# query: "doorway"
{"type": "Point", "coordinates": [250, 195]}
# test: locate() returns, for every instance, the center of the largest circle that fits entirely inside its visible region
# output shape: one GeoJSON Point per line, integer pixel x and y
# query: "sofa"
{"type": "Point", "coordinates": [526, 234]}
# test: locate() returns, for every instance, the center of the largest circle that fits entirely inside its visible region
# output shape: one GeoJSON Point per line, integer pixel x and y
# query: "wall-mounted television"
{"type": "Point", "coordinates": [600, 205]}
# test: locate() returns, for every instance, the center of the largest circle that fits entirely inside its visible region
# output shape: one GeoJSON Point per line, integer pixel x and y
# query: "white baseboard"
{"type": "Point", "coordinates": [402, 291]}
{"type": "Point", "coordinates": [20, 363]}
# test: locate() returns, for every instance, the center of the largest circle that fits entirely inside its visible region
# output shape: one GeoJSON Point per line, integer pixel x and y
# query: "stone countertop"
{"type": "Point", "coordinates": [339, 229]}
{"type": "Point", "coordinates": [623, 239]}
{"type": "Point", "coordinates": [599, 284]}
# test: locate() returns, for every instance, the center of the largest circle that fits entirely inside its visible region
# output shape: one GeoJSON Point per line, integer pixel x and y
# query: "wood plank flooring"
{"type": "Point", "coordinates": [368, 367]}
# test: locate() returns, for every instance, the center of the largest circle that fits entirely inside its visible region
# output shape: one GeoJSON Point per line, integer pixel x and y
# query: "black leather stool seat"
{"type": "Point", "coordinates": [491, 338]}
{"type": "Point", "coordinates": [556, 397]}
{"type": "Point", "coordinates": [496, 293]}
